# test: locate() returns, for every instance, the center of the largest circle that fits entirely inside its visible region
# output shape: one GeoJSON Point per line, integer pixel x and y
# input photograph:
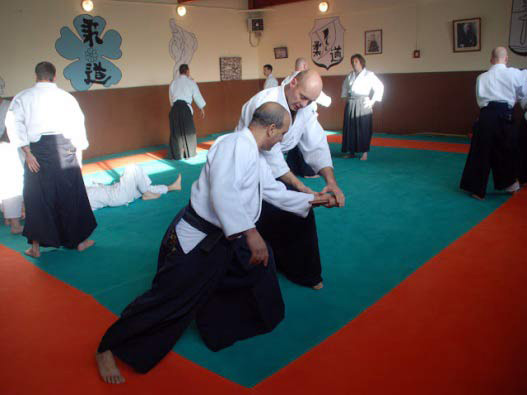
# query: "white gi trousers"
{"type": "Point", "coordinates": [132, 184]}
{"type": "Point", "coordinates": [11, 181]}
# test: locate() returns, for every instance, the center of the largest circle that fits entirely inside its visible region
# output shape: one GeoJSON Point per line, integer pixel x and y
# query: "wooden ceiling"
{"type": "Point", "coordinates": [256, 4]}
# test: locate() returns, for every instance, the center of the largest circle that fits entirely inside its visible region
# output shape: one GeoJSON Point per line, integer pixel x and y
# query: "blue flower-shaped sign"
{"type": "Point", "coordinates": [91, 51]}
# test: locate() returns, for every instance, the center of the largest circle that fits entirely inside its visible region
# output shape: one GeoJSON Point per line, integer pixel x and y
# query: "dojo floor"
{"type": "Point", "coordinates": [424, 289]}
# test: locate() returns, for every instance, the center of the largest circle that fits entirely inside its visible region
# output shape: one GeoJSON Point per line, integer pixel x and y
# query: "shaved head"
{"type": "Point", "coordinates": [499, 55]}
{"type": "Point", "coordinates": [300, 64]}
{"type": "Point", "coordinates": [303, 89]}
{"type": "Point", "coordinates": [311, 82]}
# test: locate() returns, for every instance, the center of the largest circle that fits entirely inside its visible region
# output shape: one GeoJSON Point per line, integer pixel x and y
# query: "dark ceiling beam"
{"type": "Point", "coordinates": [255, 4]}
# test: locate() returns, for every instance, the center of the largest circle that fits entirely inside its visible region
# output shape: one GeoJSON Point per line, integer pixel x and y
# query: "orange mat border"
{"type": "Point", "coordinates": [411, 144]}
{"type": "Point", "coordinates": [455, 326]}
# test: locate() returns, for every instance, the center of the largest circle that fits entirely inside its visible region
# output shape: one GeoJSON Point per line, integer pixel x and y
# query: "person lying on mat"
{"type": "Point", "coordinates": [133, 184]}
{"type": "Point", "coordinates": [213, 265]}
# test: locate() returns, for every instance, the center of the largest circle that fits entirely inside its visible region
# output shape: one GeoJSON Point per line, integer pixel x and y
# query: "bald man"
{"type": "Point", "coordinates": [213, 264]}
{"type": "Point", "coordinates": [295, 160]}
{"type": "Point", "coordinates": [294, 240]}
{"type": "Point", "coordinates": [493, 142]}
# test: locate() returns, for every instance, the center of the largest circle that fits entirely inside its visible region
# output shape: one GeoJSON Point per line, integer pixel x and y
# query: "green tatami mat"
{"type": "Point", "coordinates": [403, 207]}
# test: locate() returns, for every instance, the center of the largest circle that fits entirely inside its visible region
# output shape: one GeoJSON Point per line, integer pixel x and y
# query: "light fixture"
{"type": "Point", "coordinates": [181, 10]}
{"type": "Point", "coordinates": [323, 6]}
{"type": "Point", "coordinates": [87, 5]}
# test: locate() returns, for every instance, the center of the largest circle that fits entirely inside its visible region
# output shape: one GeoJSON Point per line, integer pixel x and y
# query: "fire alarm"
{"type": "Point", "coordinates": [417, 54]}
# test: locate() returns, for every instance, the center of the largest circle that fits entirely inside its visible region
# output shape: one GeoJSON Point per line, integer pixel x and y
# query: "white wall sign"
{"type": "Point", "coordinates": [327, 42]}
{"type": "Point", "coordinates": [518, 30]}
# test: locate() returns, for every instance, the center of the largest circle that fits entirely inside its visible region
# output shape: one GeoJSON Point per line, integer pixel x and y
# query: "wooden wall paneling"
{"type": "Point", "coordinates": [118, 120]}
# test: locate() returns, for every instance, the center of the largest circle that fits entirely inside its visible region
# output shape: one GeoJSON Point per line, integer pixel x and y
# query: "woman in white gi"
{"type": "Point", "coordinates": [361, 89]}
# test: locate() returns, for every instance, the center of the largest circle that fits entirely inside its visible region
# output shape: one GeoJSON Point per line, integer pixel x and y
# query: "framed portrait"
{"type": "Point", "coordinates": [280, 53]}
{"type": "Point", "coordinates": [467, 35]}
{"type": "Point", "coordinates": [373, 42]}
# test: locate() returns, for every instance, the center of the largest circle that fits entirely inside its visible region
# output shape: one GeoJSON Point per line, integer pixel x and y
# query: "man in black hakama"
{"type": "Point", "coordinates": [494, 141]}
{"type": "Point", "coordinates": [294, 240]}
{"type": "Point", "coordinates": [214, 284]}
{"type": "Point", "coordinates": [48, 125]}
{"type": "Point", "coordinates": [225, 279]}
{"type": "Point", "coordinates": [183, 90]}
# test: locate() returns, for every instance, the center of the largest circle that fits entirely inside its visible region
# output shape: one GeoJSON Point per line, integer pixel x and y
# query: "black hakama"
{"type": "Point", "coordinates": [492, 148]}
{"type": "Point", "coordinates": [358, 125]}
{"type": "Point", "coordinates": [183, 141]}
{"type": "Point", "coordinates": [294, 241]}
{"type": "Point", "coordinates": [522, 151]}
{"type": "Point", "coordinates": [297, 164]}
{"type": "Point", "coordinates": [58, 211]}
{"type": "Point", "coordinates": [214, 284]}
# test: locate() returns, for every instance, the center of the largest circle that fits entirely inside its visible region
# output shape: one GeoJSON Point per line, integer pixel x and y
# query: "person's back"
{"type": "Point", "coordinates": [500, 83]}
{"type": "Point", "coordinates": [48, 109]}
{"type": "Point", "coordinates": [182, 88]}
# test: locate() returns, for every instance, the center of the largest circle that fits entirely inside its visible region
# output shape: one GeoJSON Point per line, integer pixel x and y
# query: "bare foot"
{"type": "Point", "coordinates": [347, 156]}
{"type": "Point", "coordinates": [16, 228]}
{"type": "Point", "coordinates": [319, 286]}
{"type": "Point", "coordinates": [150, 195]}
{"type": "Point", "coordinates": [477, 197]}
{"type": "Point", "coordinates": [32, 252]}
{"type": "Point", "coordinates": [85, 245]}
{"type": "Point", "coordinates": [108, 369]}
{"type": "Point", "coordinates": [315, 176]}
{"type": "Point", "coordinates": [176, 185]}
{"type": "Point", "coordinates": [364, 156]}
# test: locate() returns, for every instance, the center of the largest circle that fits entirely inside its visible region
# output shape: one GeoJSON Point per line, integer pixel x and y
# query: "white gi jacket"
{"type": "Point", "coordinates": [270, 82]}
{"type": "Point", "coordinates": [45, 109]}
{"type": "Point", "coordinates": [186, 89]}
{"type": "Point", "coordinates": [305, 132]}
{"type": "Point", "coordinates": [360, 85]}
{"type": "Point", "coordinates": [502, 84]}
{"type": "Point", "coordinates": [231, 187]}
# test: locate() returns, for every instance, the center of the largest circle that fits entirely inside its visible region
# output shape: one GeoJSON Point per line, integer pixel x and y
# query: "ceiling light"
{"type": "Point", "coordinates": [181, 10]}
{"type": "Point", "coordinates": [323, 6]}
{"type": "Point", "coordinates": [87, 5]}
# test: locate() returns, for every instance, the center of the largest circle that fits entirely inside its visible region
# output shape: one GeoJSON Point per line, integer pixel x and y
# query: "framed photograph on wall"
{"type": "Point", "coordinates": [373, 42]}
{"type": "Point", "coordinates": [280, 53]}
{"type": "Point", "coordinates": [467, 35]}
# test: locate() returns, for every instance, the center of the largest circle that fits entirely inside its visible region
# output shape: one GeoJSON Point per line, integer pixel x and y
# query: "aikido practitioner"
{"type": "Point", "coordinates": [361, 89]}
{"type": "Point", "coordinates": [11, 175]}
{"type": "Point", "coordinates": [183, 90]}
{"type": "Point", "coordinates": [295, 160]}
{"type": "Point", "coordinates": [132, 185]}
{"type": "Point", "coordinates": [270, 81]}
{"type": "Point", "coordinates": [493, 144]}
{"type": "Point", "coordinates": [213, 265]}
{"type": "Point", "coordinates": [294, 240]}
{"type": "Point", "coordinates": [48, 124]}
